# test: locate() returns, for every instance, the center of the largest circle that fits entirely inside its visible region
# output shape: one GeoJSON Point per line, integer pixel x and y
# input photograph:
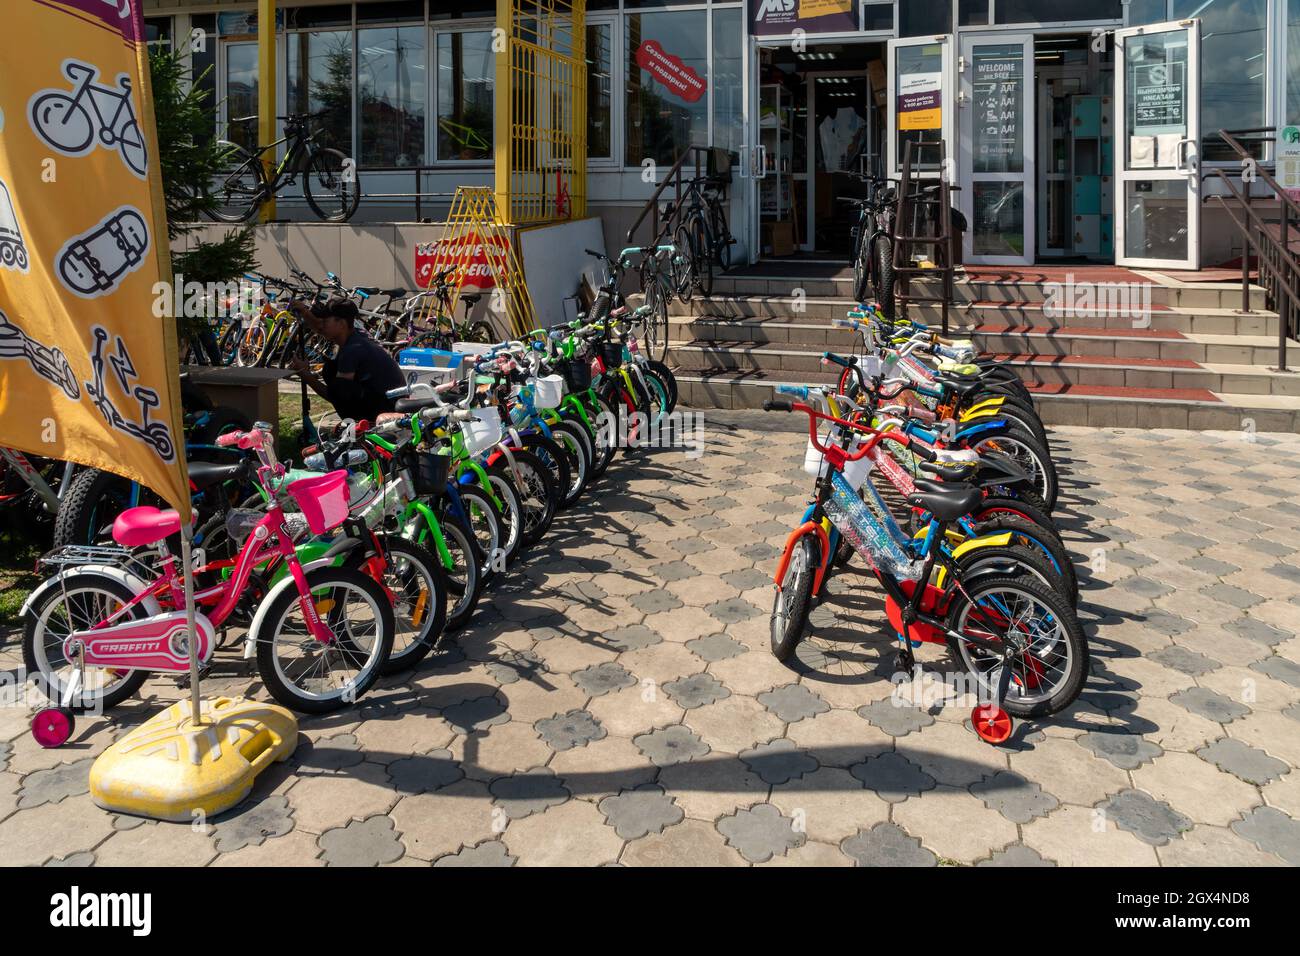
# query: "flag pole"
{"type": "Point", "coordinates": [187, 561]}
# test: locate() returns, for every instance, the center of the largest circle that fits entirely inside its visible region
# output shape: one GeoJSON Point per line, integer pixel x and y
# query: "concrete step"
{"type": "Point", "coordinates": [1097, 405]}
{"type": "Point", "coordinates": [1251, 350]}
{"type": "Point", "coordinates": [796, 358]}
{"type": "Point", "coordinates": [820, 309]}
{"type": "Point", "coordinates": [1089, 285]}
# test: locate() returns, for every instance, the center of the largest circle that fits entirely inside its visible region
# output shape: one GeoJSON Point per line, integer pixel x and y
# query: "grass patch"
{"type": "Point", "coordinates": [288, 428]}
{"type": "Point", "coordinates": [19, 549]}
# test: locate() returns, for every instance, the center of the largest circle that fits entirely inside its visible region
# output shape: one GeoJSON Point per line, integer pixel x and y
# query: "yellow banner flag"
{"type": "Point", "coordinates": [88, 371]}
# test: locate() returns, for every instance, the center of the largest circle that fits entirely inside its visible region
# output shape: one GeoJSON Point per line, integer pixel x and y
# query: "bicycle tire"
{"type": "Point", "coordinates": [1072, 633]}
{"type": "Point", "coordinates": [484, 522]}
{"type": "Point", "coordinates": [883, 251]}
{"type": "Point", "coordinates": [666, 377]}
{"type": "Point", "coordinates": [317, 581]}
{"type": "Point", "coordinates": [326, 168]}
{"type": "Point", "coordinates": [786, 625]}
{"type": "Point", "coordinates": [242, 189]}
{"type": "Point", "coordinates": [430, 611]}
{"type": "Point", "coordinates": [703, 244]}
{"type": "Point", "coordinates": [86, 580]}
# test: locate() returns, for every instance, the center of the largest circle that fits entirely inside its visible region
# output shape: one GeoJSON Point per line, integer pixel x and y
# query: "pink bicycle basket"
{"type": "Point", "coordinates": [322, 499]}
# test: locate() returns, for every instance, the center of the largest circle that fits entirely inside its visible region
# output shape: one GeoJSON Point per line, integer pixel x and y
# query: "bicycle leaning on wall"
{"type": "Point", "coordinates": [329, 178]}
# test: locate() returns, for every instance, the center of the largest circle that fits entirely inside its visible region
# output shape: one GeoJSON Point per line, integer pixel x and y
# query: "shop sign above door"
{"type": "Point", "coordinates": [780, 17]}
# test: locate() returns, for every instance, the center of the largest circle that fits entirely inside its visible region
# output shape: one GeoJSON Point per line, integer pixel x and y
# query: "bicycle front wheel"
{"type": "Point", "coordinates": [331, 186]}
{"type": "Point", "coordinates": [317, 676]}
{"type": "Point", "coordinates": [702, 251]}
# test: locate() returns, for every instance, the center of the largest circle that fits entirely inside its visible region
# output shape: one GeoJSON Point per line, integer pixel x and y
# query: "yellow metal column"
{"type": "Point", "coordinates": [503, 108]}
{"type": "Point", "coordinates": [266, 92]}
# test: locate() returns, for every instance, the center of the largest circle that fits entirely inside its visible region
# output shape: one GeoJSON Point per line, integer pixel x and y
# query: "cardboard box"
{"type": "Point", "coordinates": [782, 238]}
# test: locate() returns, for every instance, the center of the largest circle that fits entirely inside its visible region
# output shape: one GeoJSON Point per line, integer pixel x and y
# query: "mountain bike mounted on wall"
{"type": "Point", "coordinates": [328, 177]}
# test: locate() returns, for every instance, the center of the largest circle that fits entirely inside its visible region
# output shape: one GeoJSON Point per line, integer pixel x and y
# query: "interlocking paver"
{"type": "Point", "coordinates": [615, 700]}
{"type": "Point", "coordinates": [886, 844]}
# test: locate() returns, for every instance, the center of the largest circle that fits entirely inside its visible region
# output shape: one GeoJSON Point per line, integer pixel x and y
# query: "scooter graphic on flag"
{"type": "Point", "coordinates": [154, 433]}
{"type": "Point", "coordinates": [47, 362]}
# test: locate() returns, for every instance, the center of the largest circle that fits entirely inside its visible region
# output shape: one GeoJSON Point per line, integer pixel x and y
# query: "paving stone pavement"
{"type": "Point", "coordinates": [614, 700]}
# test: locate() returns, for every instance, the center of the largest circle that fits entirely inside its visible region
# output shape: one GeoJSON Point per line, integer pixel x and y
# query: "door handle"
{"type": "Point", "coordinates": [1188, 160]}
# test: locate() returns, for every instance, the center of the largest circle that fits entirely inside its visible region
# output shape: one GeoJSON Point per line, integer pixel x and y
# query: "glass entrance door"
{"type": "Point", "coordinates": [920, 100]}
{"type": "Point", "coordinates": [241, 92]}
{"type": "Point", "coordinates": [1157, 104]}
{"type": "Point", "coordinates": [997, 148]}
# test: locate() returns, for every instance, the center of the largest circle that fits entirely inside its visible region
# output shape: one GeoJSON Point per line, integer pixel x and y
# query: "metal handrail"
{"type": "Point", "coordinates": [651, 207]}
{"type": "Point", "coordinates": [1279, 270]}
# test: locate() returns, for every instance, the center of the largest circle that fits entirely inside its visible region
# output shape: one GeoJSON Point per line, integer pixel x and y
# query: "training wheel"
{"type": "Point", "coordinates": [992, 724]}
{"type": "Point", "coordinates": [53, 726]}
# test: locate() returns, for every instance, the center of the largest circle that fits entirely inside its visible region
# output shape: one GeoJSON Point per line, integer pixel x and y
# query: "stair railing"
{"type": "Point", "coordinates": [1279, 270]}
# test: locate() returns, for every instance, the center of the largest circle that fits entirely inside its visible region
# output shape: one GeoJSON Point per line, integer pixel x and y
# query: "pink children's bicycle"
{"type": "Point", "coordinates": [113, 615]}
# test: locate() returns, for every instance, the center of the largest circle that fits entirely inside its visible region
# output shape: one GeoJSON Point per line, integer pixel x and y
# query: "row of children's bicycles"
{"type": "Point", "coordinates": [980, 566]}
{"type": "Point", "coordinates": [358, 560]}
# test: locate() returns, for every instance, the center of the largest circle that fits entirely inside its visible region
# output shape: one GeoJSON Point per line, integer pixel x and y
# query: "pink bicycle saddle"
{"type": "Point", "coordinates": [136, 527]}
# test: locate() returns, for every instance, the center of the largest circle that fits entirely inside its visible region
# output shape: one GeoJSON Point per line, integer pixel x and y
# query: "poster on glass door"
{"type": "Point", "coordinates": [920, 101]}
{"type": "Point", "coordinates": [779, 17]}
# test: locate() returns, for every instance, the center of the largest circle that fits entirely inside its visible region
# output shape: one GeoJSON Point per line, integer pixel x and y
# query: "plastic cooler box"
{"type": "Point", "coordinates": [434, 366]}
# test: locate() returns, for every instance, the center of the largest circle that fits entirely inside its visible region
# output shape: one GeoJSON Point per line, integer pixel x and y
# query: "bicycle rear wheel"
{"type": "Point", "coordinates": [702, 250]}
{"type": "Point", "coordinates": [239, 189]}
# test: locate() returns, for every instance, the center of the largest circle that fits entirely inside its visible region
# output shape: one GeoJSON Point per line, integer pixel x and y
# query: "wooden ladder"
{"type": "Point", "coordinates": [923, 203]}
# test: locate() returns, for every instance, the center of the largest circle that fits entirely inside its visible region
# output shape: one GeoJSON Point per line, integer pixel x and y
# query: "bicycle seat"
{"type": "Point", "coordinates": [368, 289]}
{"type": "Point", "coordinates": [945, 501]}
{"type": "Point", "coordinates": [950, 471]}
{"type": "Point", "coordinates": [414, 404]}
{"type": "Point", "coordinates": [961, 384]}
{"type": "Point", "coordinates": [205, 474]}
{"type": "Point", "coordinates": [145, 524]}
{"type": "Point", "coordinates": [391, 293]}
{"type": "Point", "coordinates": [471, 298]}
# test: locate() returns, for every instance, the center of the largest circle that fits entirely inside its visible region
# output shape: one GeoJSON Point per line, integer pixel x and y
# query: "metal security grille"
{"type": "Point", "coordinates": [541, 113]}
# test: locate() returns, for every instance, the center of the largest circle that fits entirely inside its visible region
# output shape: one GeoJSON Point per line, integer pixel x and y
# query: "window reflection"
{"type": "Point", "coordinates": [466, 78]}
{"type": "Point", "coordinates": [1233, 67]}
{"type": "Point", "coordinates": [241, 93]}
{"type": "Point", "coordinates": [599, 91]}
{"type": "Point", "coordinates": [319, 78]}
{"type": "Point", "coordinates": [666, 108]}
{"type": "Point", "coordinates": [391, 82]}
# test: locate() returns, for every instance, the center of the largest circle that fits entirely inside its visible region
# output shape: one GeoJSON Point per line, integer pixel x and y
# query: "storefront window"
{"type": "Point", "coordinates": [319, 80]}
{"type": "Point", "coordinates": [1233, 67]}
{"type": "Point", "coordinates": [391, 84]}
{"type": "Point", "coordinates": [1143, 12]}
{"type": "Point", "coordinates": [600, 100]}
{"type": "Point", "coordinates": [917, 18]}
{"type": "Point", "coordinates": [158, 32]}
{"type": "Point", "coordinates": [1292, 64]}
{"type": "Point", "coordinates": [466, 79]}
{"type": "Point", "coordinates": [1057, 11]}
{"type": "Point", "coordinates": [241, 93]}
{"type": "Point", "coordinates": [725, 81]}
{"type": "Point", "coordinates": [667, 75]}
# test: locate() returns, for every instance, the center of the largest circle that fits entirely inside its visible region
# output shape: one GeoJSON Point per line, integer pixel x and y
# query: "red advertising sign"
{"type": "Point", "coordinates": [476, 259]}
{"type": "Point", "coordinates": [670, 71]}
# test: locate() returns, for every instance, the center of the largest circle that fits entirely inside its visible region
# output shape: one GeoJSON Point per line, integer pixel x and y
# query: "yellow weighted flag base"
{"type": "Point", "coordinates": [170, 769]}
